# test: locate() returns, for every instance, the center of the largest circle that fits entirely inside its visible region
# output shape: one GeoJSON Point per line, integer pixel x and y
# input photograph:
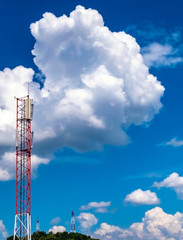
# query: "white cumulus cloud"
{"type": "Point", "coordinates": [156, 225]}
{"type": "Point", "coordinates": [96, 86]}
{"type": "Point", "coordinates": [87, 220]}
{"type": "Point", "coordinates": [92, 75]}
{"type": "Point", "coordinates": [142, 197]}
{"type": "Point", "coordinates": [56, 229]}
{"type": "Point", "coordinates": [173, 181]}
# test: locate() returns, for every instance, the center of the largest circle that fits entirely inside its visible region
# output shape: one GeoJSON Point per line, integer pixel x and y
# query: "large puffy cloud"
{"type": "Point", "coordinates": [87, 220]}
{"type": "Point", "coordinates": [142, 197]}
{"type": "Point", "coordinates": [96, 86]}
{"type": "Point", "coordinates": [100, 207]}
{"type": "Point", "coordinates": [56, 229]}
{"type": "Point", "coordinates": [156, 225]}
{"type": "Point", "coordinates": [172, 181]}
{"type": "Point", "coordinates": [96, 82]}
{"type": "Point", "coordinates": [3, 231]}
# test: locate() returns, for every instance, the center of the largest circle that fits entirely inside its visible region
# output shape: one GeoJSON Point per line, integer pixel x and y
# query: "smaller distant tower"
{"type": "Point", "coordinates": [73, 225]}
{"type": "Point", "coordinates": [37, 226]}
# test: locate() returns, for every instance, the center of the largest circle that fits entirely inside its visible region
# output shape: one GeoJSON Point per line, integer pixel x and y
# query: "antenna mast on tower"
{"type": "Point", "coordinates": [22, 227]}
{"type": "Point", "coordinates": [73, 225]}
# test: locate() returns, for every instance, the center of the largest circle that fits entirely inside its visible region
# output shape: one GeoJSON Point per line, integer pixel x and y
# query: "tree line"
{"type": "Point", "coordinates": [58, 236]}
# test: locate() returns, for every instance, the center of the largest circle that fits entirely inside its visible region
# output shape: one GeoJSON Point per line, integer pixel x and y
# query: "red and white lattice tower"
{"type": "Point", "coordinates": [22, 227]}
{"type": "Point", "coordinates": [73, 225]}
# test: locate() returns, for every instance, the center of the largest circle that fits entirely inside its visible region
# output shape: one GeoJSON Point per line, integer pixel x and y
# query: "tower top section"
{"type": "Point", "coordinates": [28, 107]}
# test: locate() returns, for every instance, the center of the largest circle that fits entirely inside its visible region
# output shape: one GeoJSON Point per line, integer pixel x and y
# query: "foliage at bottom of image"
{"type": "Point", "coordinates": [57, 236]}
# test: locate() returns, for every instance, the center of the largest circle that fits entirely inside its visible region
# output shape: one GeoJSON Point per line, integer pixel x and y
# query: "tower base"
{"type": "Point", "coordinates": [22, 227]}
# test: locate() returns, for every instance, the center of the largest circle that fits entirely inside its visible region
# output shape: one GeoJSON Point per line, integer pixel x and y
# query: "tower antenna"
{"type": "Point", "coordinates": [73, 225]}
{"type": "Point", "coordinates": [22, 227]}
{"type": "Point", "coordinates": [28, 88]}
{"type": "Point", "coordinates": [37, 225]}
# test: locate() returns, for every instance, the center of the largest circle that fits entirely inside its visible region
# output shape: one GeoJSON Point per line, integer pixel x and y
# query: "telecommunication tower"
{"type": "Point", "coordinates": [22, 227]}
{"type": "Point", "coordinates": [37, 226]}
{"type": "Point", "coordinates": [73, 225]}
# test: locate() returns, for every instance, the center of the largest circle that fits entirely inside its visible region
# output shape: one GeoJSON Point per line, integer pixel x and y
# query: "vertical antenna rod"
{"type": "Point", "coordinates": [28, 89]}
{"type": "Point", "coordinates": [73, 225]}
{"type": "Point", "coordinates": [22, 227]}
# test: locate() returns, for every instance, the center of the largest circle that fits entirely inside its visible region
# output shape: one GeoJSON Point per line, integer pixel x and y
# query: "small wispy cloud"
{"type": "Point", "coordinates": [143, 175]}
{"type": "Point", "coordinates": [146, 33]}
{"type": "Point", "coordinates": [159, 55]}
{"type": "Point", "coordinates": [100, 207]}
{"type": "Point", "coordinates": [101, 210]}
{"type": "Point", "coordinates": [160, 48]}
{"type": "Point", "coordinates": [173, 142]}
{"type": "Point", "coordinates": [55, 221]}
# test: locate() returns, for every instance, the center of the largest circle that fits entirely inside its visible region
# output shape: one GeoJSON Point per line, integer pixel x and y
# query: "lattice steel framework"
{"type": "Point", "coordinates": [73, 225]}
{"type": "Point", "coordinates": [22, 227]}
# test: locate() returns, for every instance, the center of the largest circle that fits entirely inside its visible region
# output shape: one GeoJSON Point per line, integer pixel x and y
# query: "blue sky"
{"type": "Point", "coordinates": [108, 115]}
